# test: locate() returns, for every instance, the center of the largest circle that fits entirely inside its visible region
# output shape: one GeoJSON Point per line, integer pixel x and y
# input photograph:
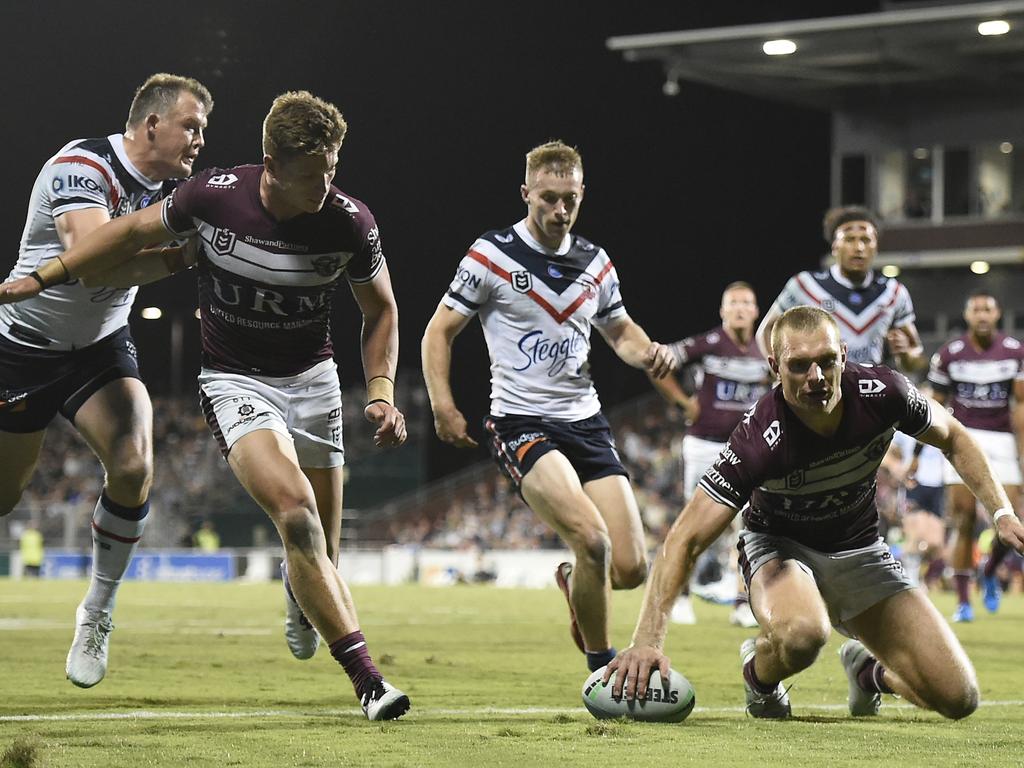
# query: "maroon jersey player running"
{"type": "Point", "coordinates": [802, 466]}
{"type": "Point", "coordinates": [277, 239]}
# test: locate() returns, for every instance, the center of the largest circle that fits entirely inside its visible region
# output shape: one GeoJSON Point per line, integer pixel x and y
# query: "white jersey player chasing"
{"type": "Point", "coordinates": [871, 310]}
{"type": "Point", "coordinates": [69, 351]}
{"type": "Point", "coordinates": [538, 289]}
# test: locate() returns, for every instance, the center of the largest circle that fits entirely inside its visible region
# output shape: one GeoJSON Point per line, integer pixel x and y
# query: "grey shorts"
{"type": "Point", "coordinates": [305, 408]}
{"type": "Point", "coordinates": [850, 581]}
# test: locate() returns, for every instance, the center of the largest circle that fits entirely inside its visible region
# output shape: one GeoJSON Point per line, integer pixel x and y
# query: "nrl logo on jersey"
{"type": "Point", "coordinates": [223, 241]}
{"type": "Point", "coordinates": [522, 281]}
{"type": "Point", "coordinates": [222, 180]}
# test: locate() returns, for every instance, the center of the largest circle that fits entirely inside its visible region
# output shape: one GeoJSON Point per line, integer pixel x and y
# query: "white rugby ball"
{"type": "Point", "coordinates": [664, 703]}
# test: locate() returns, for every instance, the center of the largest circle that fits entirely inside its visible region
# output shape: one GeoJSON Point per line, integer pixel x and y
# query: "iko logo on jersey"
{"type": "Point", "coordinates": [222, 180]}
{"type": "Point", "coordinates": [556, 354]}
{"type": "Point", "coordinates": [870, 386]}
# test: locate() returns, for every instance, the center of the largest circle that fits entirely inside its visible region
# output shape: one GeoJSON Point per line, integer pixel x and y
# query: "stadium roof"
{"type": "Point", "coordinates": [881, 58]}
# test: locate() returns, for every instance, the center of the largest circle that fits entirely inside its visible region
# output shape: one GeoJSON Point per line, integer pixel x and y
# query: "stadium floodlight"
{"type": "Point", "coordinates": [921, 153]}
{"type": "Point", "coordinates": [779, 47]}
{"type": "Point", "coordinates": [670, 87]}
{"type": "Point", "coordinates": [994, 27]}
{"type": "Point", "coordinates": [1006, 147]}
{"type": "Point", "coordinates": [891, 270]}
{"type": "Point", "coordinates": [980, 267]}
{"type": "Point", "coordinates": [151, 313]}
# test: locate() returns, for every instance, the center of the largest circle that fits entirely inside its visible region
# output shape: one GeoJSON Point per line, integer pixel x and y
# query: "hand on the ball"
{"type": "Point", "coordinates": [1011, 532]}
{"type": "Point", "coordinates": [390, 424]}
{"type": "Point", "coordinates": [634, 666]}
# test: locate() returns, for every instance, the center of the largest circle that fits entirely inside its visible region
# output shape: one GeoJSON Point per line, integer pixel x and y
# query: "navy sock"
{"type": "Point", "coordinates": [598, 659]}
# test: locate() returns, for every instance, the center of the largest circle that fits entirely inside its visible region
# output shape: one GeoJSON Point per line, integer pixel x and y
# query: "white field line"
{"type": "Point", "coordinates": [414, 713]}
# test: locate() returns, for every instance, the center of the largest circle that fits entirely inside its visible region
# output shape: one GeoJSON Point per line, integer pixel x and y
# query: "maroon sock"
{"type": "Point", "coordinates": [870, 677]}
{"type": "Point", "coordinates": [935, 569]}
{"type": "Point", "coordinates": [351, 652]}
{"type": "Point", "coordinates": [752, 680]}
{"type": "Point", "coordinates": [741, 599]}
{"type": "Point", "coordinates": [962, 580]}
{"type": "Point", "coordinates": [999, 551]}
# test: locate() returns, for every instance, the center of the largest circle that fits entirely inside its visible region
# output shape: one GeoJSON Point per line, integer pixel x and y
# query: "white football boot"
{"type": "Point", "coordinates": [385, 702]}
{"type": "Point", "coordinates": [682, 611]}
{"type": "Point", "coordinates": [87, 659]}
{"type": "Point", "coordinates": [774, 705]}
{"type": "Point", "coordinates": [853, 656]}
{"type": "Point", "coordinates": [743, 616]}
{"type": "Point", "coordinates": [302, 637]}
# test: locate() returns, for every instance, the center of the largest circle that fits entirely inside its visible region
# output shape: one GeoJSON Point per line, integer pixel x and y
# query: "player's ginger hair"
{"type": "Point", "coordinates": [800, 318]}
{"type": "Point", "coordinates": [299, 123]}
{"type": "Point", "coordinates": [555, 155]}
{"type": "Point", "coordinates": [160, 93]}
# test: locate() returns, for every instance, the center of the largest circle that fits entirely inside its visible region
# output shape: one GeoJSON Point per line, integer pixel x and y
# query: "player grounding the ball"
{"type": "Point", "coordinates": [277, 239]}
{"type": "Point", "coordinates": [538, 290]}
{"type": "Point", "coordinates": [802, 466]}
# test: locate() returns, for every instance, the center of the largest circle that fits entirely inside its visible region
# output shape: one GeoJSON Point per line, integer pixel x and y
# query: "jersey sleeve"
{"type": "Point", "coordinates": [738, 470]}
{"type": "Point", "coordinates": [178, 209]}
{"type": "Point", "coordinates": [609, 298]}
{"type": "Point", "coordinates": [913, 413]}
{"type": "Point", "coordinates": [472, 285]}
{"type": "Point", "coordinates": [903, 313]}
{"type": "Point", "coordinates": [77, 183]}
{"type": "Point", "coordinates": [790, 296]}
{"type": "Point", "coordinates": [938, 371]}
{"type": "Point", "coordinates": [369, 260]}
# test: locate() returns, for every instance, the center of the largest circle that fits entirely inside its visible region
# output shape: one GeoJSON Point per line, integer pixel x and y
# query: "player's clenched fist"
{"type": "Point", "coordinates": [659, 360]}
{"type": "Point", "coordinates": [390, 424]}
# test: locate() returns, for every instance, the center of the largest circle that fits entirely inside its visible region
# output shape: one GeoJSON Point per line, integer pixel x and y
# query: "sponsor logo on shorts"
{"type": "Point", "coordinates": [246, 410]}
{"type": "Point", "coordinates": [526, 437]}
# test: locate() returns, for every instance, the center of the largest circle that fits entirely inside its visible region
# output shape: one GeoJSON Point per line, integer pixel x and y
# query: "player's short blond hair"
{"type": "Point", "coordinates": [556, 156]}
{"type": "Point", "coordinates": [801, 319]}
{"type": "Point", "coordinates": [160, 93]}
{"type": "Point", "coordinates": [299, 123]}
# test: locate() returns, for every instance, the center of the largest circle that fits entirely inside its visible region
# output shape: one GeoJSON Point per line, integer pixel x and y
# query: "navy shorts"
{"type": "Point", "coordinates": [517, 442]}
{"type": "Point", "coordinates": [37, 384]}
{"type": "Point", "coordinates": [928, 498]}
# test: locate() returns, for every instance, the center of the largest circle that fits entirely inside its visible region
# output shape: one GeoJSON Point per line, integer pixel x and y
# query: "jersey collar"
{"type": "Point", "coordinates": [117, 142]}
{"type": "Point", "coordinates": [837, 275]}
{"type": "Point", "coordinates": [524, 235]}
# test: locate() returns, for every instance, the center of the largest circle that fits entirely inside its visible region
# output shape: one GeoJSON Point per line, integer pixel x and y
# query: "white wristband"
{"type": "Point", "coordinates": [1003, 512]}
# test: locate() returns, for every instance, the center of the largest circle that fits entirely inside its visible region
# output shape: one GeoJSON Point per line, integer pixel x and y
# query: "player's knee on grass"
{"type": "Point", "coordinates": [798, 640]}
{"type": "Point", "coordinates": [959, 703]}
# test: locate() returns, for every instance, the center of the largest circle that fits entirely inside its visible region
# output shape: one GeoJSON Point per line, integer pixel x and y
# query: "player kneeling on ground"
{"type": "Point", "coordinates": [802, 465]}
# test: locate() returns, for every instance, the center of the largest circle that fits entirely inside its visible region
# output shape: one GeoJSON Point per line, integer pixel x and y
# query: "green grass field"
{"type": "Point", "coordinates": [200, 676]}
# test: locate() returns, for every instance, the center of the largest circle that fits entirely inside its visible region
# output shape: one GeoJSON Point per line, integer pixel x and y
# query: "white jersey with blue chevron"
{"type": "Point", "coordinates": [536, 307]}
{"type": "Point", "coordinates": [85, 173]}
{"type": "Point", "coordinates": [864, 312]}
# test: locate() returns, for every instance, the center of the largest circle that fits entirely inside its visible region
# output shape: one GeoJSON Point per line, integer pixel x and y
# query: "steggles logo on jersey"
{"type": "Point", "coordinates": [555, 353]}
{"type": "Point", "coordinates": [522, 281]}
{"type": "Point", "coordinates": [222, 180]}
{"type": "Point", "coordinates": [223, 241]}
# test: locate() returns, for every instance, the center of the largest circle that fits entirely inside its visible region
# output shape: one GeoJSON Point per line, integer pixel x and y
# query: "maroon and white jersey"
{"type": "Point", "coordinates": [730, 379]}
{"type": "Point", "coordinates": [979, 382]}
{"type": "Point", "coordinates": [265, 286]}
{"type": "Point", "coordinates": [818, 491]}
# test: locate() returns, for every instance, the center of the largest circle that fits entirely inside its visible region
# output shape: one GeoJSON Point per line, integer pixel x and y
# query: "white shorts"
{"type": "Point", "coordinates": [305, 408]}
{"type": "Point", "coordinates": [850, 581]}
{"type": "Point", "coordinates": [698, 455]}
{"type": "Point", "coordinates": [1001, 450]}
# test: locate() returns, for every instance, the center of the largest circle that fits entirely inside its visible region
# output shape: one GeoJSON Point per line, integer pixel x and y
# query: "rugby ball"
{"type": "Point", "coordinates": [666, 702]}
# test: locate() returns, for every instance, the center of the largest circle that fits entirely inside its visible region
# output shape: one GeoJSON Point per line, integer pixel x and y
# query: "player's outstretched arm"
{"type": "Point", "coordinates": [436, 353]}
{"type": "Point", "coordinates": [701, 522]}
{"type": "Point", "coordinates": [634, 347]}
{"type": "Point", "coordinates": [379, 339]}
{"type": "Point", "coordinates": [101, 249]}
{"type": "Point", "coordinates": [953, 439]}
{"type": "Point", "coordinates": [905, 345]}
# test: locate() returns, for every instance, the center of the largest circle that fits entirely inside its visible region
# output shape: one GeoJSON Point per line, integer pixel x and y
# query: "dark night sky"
{"type": "Point", "coordinates": [443, 99]}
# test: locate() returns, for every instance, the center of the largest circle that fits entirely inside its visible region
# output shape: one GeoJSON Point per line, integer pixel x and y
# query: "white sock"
{"type": "Point", "coordinates": [116, 531]}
